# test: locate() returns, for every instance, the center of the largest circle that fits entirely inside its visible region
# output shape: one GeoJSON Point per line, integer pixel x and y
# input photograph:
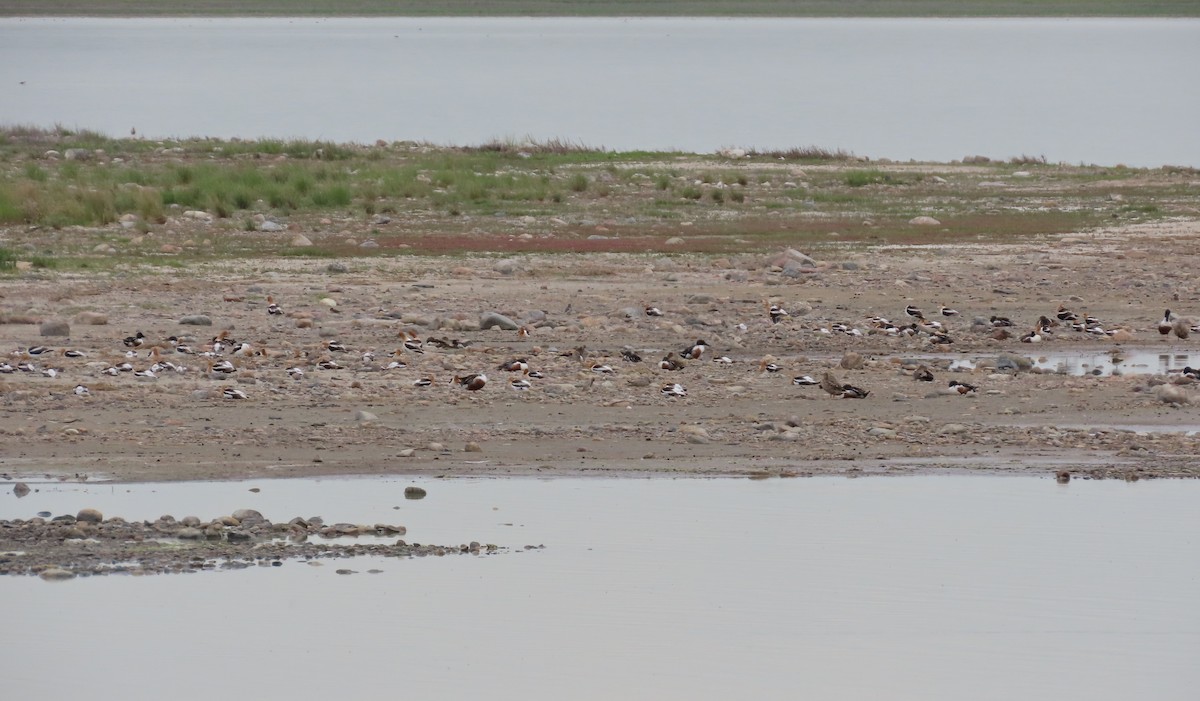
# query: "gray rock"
{"type": "Point", "coordinates": [365, 417]}
{"type": "Point", "coordinates": [1170, 394]}
{"type": "Point", "coordinates": [20, 489]}
{"type": "Point", "coordinates": [269, 225]}
{"type": "Point", "coordinates": [337, 267]}
{"type": "Point", "coordinates": [56, 574]}
{"type": "Point", "coordinates": [849, 265]}
{"type": "Point", "coordinates": [55, 327]}
{"type": "Point", "coordinates": [196, 320]}
{"type": "Point", "coordinates": [89, 516]}
{"type": "Point", "coordinates": [190, 533]}
{"type": "Point", "coordinates": [369, 243]}
{"type": "Point", "coordinates": [244, 514]}
{"type": "Point", "coordinates": [301, 241]}
{"type": "Point", "coordinates": [952, 429]}
{"type": "Point", "coordinates": [414, 493]}
{"type": "Point", "coordinates": [91, 319]}
{"type": "Point", "coordinates": [77, 154]}
{"type": "Point", "coordinates": [924, 221]}
{"type": "Point", "coordinates": [851, 361]}
{"type": "Point", "coordinates": [489, 319]}
{"type": "Point", "coordinates": [1013, 362]}
{"type": "Point", "coordinates": [507, 266]}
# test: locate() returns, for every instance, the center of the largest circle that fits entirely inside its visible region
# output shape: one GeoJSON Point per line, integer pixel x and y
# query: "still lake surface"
{"type": "Point", "coordinates": [935, 587]}
{"type": "Point", "coordinates": [1103, 91]}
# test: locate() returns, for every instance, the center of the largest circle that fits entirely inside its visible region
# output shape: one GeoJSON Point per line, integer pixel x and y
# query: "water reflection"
{"type": "Point", "coordinates": [1101, 364]}
{"type": "Point", "coordinates": [900, 588]}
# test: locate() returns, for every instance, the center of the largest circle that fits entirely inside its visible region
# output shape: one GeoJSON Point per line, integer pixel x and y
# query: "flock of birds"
{"type": "Point", "coordinates": [222, 357]}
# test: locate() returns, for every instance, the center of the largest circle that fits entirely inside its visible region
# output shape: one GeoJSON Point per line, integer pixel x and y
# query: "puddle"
{"type": "Point", "coordinates": [931, 587]}
{"type": "Point", "coordinates": [1100, 364]}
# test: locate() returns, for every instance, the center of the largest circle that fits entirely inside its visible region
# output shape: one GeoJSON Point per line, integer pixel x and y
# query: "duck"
{"type": "Point", "coordinates": [514, 365]}
{"type": "Point", "coordinates": [923, 374]}
{"type": "Point", "coordinates": [962, 387]}
{"type": "Point", "coordinates": [1164, 326]}
{"type": "Point", "coordinates": [852, 392]}
{"type": "Point", "coordinates": [777, 313]}
{"type": "Point", "coordinates": [804, 381]}
{"type": "Point", "coordinates": [1189, 371]}
{"type": "Point", "coordinates": [674, 390]}
{"type": "Point", "coordinates": [653, 311]}
{"type": "Point", "coordinates": [6, 369]}
{"type": "Point", "coordinates": [295, 373]}
{"type": "Point", "coordinates": [272, 308]}
{"type": "Point", "coordinates": [473, 383]}
{"type": "Point", "coordinates": [629, 356]}
{"type": "Point", "coordinates": [233, 393]}
{"type": "Point", "coordinates": [671, 362]}
{"type": "Point", "coordinates": [135, 340]}
{"type": "Point", "coordinates": [1000, 321]}
{"type": "Point", "coordinates": [1033, 336]}
{"type": "Point", "coordinates": [913, 312]}
{"type": "Point", "coordinates": [696, 350]}
{"type": "Point", "coordinates": [225, 367]}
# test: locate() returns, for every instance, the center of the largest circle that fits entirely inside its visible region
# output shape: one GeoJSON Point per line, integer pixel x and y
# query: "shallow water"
{"type": "Point", "coordinates": [897, 588]}
{"type": "Point", "coordinates": [1104, 363]}
{"type": "Point", "coordinates": [1079, 90]}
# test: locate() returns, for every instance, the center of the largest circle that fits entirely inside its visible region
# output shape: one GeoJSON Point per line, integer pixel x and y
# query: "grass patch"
{"type": "Point", "coordinates": [862, 178]}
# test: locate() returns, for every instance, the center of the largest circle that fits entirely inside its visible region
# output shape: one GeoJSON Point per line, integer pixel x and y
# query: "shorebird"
{"type": "Point", "coordinates": [233, 393]}
{"type": "Point", "coordinates": [630, 356]}
{"type": "Point", "coordinates": [674, 390]}
{"type": "Point", "coordinates": [653, 311]}
{"type": "Point", "coordinates": [804, 381]}
{"type": "Point", "coordinates": [947, 311]}
{"type": "Point", "coordinates": [913, 312]}
{"type": "Point", "coordinates": [272, 308]}
{"type": "Point", "coordinates": [923, 374]}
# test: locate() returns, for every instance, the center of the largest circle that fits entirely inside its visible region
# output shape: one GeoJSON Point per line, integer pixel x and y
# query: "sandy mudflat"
{"type": "Point", "coordinates": [735, 420]}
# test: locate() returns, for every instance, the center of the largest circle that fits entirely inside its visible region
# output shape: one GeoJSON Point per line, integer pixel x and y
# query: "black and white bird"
{"type": "Point", "coordinates": [913, 312]}
{"type": "Point", "coordinates": [674, 390]}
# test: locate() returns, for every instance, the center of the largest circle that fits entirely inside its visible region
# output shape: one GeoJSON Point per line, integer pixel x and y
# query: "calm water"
{"type": "Point", "coordinates": [898, 588]}
{"type": "Point", "coordinates": [1096, 91]}
{"type": "Point", "coordinates": [1128, 361]}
